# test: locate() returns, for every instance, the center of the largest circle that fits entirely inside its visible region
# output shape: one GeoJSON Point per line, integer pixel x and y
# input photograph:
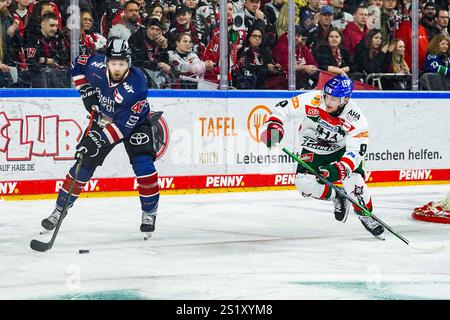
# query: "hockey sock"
{"type": "Point", "coordinates": [369, 207]}
{"type": "Point", "coordinates": [328, 193]}
{"type": "Point", "coordinates": [84, 175]}
{"type": "Point", "coordinates": [147, 179]}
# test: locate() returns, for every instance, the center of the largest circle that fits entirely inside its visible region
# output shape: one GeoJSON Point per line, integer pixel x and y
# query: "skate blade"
{"type": "Point", "coordinates": [147, 235]}
{"type": "Point", "coordinates": [380, 237]}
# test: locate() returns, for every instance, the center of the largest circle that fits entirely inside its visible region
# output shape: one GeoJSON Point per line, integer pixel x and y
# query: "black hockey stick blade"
{"type": "Point", "coordinates": [37, 245]}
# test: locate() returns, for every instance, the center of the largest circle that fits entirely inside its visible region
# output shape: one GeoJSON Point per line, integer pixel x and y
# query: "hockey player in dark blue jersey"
{"type": "Point", "coordinates": [117, 92]}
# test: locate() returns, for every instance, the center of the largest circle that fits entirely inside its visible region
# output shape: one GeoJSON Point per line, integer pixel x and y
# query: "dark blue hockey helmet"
{"type": "Point", "coordinates": [339, 86]}
{"type": "Point", "coordinates": [118, 49]}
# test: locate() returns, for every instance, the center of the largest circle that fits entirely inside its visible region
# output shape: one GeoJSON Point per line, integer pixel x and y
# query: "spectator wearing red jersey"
{"type": "Point", "coordinates": [112, 15]}
{"type": "Point", "coordinates": [356, 30]}
{"type": "Point", "coordinates": [37, 11]}
{"type": "Point", "coordinates": [48, 56]}
{"type": "Point", "coordinates": [94, 40]}
{"type": "Point", "coordinates": [21, 15]}
{"type": "Point", "coordinates": [404, 33]}
{"type": "Point", "coordinates": [428, 19]}
{"type": "Point", "coordinates": [305, 64]}
{"type": "Point", "coordinates": [212, 51]}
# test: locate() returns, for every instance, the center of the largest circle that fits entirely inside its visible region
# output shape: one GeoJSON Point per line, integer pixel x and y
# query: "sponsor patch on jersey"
{"type": "Point", "coordinates": [316, 101]}
{"type": "Point", "coordinates": [352, 116]}
{"type": "Point", "coordinates": [347, 127]}
{"type": "Point", "coordinates": [312, 111]}
{"type": "Point", "coordinates": [117, 96]}
{"type": "Point", "coordinates": [307, 157]}
{"type": "Point", "coordinates": [364, 134]}
{"type": "Point", "coordinates": [139, 138]}
{"type": "Point", "coordinates": [128, 87]}
{"type": "Point", "coordinates": [83, 59]}
{"type": "Point", "coordinates": [99, 65]}
{"type": "Point", "coordinates": [351, 154]}
{"type": "Point", "coordinates": [295, 102]}
{"type": "Point", "coordinates": [328, 126]}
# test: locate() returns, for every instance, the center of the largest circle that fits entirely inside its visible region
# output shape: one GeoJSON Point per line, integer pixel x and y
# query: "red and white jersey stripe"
{"type": "Point", "coordinates": [113, 133]}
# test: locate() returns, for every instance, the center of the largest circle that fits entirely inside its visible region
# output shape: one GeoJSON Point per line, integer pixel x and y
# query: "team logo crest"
{"type": "Point", "coordinates": [117, 96]}
{"type": "Point", "coordinates": [358, 191]}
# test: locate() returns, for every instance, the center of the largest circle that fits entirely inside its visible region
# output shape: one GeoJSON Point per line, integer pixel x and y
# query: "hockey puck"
{"type": "Point", "coordinates": [83, 251]}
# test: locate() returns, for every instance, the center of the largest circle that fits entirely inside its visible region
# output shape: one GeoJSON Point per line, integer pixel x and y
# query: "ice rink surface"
{"type": "Point", "coordinates": [255, 245]}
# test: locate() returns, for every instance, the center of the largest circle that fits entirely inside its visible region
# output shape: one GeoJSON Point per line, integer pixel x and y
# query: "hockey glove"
{"type": "Point", "coordinates": [90, 145]}
{"type": "Point", "coordinates": [90, 99]}
{"type": "Point", "coordinates": [334, 172]}
{"type": "Point", "coordinates": [273, 134]}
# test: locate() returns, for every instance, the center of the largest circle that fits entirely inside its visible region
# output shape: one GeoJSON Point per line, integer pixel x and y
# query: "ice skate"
{"type": "Point", "coordinates": [372, 226]}
{"type": "Point", "coordinates": [341, 207]}
{"type": "Point", "coordinates": [50, 222]}
{"type": "Point", "coordinates": [148, 224]}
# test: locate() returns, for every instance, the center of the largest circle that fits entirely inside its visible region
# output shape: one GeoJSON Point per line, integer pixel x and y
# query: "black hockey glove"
{"type": "Point", "coordinates": [90, 98]}
{"type": "Point", "coordinates": [90, 145]}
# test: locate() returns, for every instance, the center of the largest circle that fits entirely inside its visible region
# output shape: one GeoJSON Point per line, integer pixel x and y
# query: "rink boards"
{"type": "Point", "coordinates": [210, 142]}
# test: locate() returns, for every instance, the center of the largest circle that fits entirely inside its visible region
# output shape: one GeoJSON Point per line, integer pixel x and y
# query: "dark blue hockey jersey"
{"type": "Point", "coordinates": [124, 105]}
{"type": "Point", "coordinates": [438, 64]}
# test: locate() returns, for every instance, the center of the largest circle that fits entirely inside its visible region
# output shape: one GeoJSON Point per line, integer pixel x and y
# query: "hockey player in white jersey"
{"type": "Point", "coordinates": [335, 136]}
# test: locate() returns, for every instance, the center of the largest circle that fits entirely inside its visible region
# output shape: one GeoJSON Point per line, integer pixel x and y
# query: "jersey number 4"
{"type": "Point", "coordinates": [138, 106]}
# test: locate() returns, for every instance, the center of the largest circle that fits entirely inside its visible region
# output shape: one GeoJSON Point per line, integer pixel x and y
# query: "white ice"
{"type": "Point", "coordinates": [256, 245]}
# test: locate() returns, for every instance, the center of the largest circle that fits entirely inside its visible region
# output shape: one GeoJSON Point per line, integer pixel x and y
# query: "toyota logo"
{"type": "Point", "coordinates": [139, 139]}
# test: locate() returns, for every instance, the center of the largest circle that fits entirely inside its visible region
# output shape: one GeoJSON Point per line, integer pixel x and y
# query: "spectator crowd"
{"type": "Point", "coordinates": [177, 42]}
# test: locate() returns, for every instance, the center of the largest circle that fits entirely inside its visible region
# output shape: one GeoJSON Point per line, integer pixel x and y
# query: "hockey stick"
{"type": "Point", "coordinates": [426, 249]}
{"type": "Point", "coordinates": [44, 246]}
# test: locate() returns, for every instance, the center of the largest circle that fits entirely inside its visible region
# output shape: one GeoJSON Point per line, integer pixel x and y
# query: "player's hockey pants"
{"type": "Point", "coordinates": [140, 150]}
{"type": "Point", "coordinates": [354, 184]}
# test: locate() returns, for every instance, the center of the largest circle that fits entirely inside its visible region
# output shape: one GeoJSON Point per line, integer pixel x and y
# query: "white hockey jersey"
{"type": "Point", "coordinates": [187, 64]}
{"type": "Point", "coordinates": [322, 133]}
